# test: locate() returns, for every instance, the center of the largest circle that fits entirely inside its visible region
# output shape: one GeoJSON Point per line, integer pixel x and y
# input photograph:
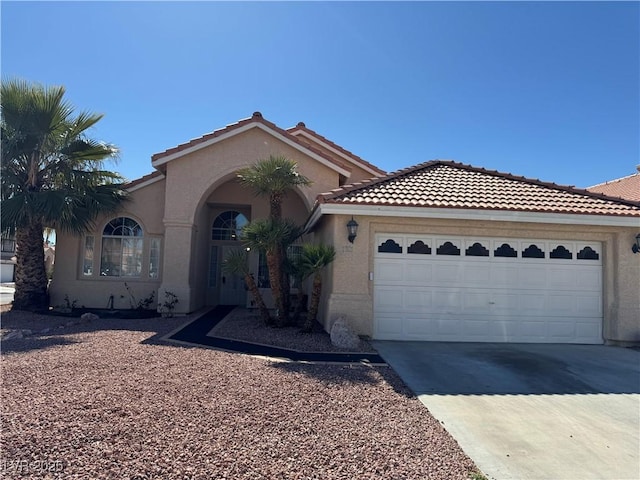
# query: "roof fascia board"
{"type": "Point", "coordinates": [337, 152]}
{"type": "Point", "coordinates": [145, 183]}
{"type": "Point", "coordinates": [471, 214]}
{"type": "Point", "coordinates": [244, 128]}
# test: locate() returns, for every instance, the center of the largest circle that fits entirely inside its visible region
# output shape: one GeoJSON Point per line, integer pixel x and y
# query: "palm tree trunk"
{"type": "Point", "coordinates": [286, 285]}
{"type": "Point", "coordinates": [275, 206]}
{"type": "Point", "coordinates": [31, 277]}
{"type": "Point", "coordinates": [253, 288]}
{"type": "Point", "coordinates": [315, 301]}
{"type": "Point", "coordinates": [275, 278]}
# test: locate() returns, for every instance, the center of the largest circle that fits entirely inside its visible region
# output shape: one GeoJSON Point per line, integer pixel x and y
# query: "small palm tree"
{"type": "Point", "coordinates": [272, 237]}
{"type": "Point", "coordinates": [237, 263]}
{"type": "Point", "coordinates": [313, 259]}
{"type": "Point", "coordinates": [273, 178]}
{"type": "Point", "coordinates": [51, 176]}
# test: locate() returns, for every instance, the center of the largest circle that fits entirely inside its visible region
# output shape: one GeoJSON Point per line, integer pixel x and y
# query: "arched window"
{"type": "Point", "coordinates": [122, 240]}
{"type": "Point", "coordinates": [228, 225]}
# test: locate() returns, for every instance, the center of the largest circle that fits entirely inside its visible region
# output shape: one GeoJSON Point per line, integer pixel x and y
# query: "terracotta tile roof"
{"type": "Point", "coordinates": [143, 179]}
{"type": "Point", "coordinates": [255, 118]}
{"type": "Point", "coordinates": [626, 187]}
{"type": "Point", "coordinates": [301, 127]}
{"type": "Point", "coordinates": [447, 184]}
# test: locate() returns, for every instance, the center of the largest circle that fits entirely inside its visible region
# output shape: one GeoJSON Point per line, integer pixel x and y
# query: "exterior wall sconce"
{"type": "Point", "coordinates": [352, 229]}
{"type": "Point", "coordinates": [636, 246]}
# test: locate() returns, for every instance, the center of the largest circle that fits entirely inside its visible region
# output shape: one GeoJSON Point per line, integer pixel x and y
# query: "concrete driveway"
{"type": "Point", "coordinates": [524, 411]}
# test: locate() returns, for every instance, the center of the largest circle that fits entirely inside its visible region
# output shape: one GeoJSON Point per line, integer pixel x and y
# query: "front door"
{"type": "Point", "coordinates": [232, 287]}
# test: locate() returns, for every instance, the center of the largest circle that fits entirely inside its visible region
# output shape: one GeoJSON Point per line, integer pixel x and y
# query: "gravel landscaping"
{"type": "Point", "coordinates": [108, 399]}
{"type": "Point", "coordinates": [242, 324]}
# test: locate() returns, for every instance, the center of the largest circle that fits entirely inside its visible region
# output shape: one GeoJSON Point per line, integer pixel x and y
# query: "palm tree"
{"type": "Point", "coordinates": [313, 259]}
{"type": "Point", "coordinates": [51, 176]}
{"type": "Point", "coordinates": [237, 263]}
{"type": "Point", "coordinates": [273, 178]}
{"type": "Point", "coordinates": [272, 237]}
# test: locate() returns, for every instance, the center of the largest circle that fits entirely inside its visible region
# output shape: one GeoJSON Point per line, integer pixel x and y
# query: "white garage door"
{"type": "Point", "coordinates": [476, 289]}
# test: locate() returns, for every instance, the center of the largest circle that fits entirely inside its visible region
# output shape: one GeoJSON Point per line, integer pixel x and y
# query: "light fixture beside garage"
{"type": "Point", "coordinates": [352, 229]}
{"type": "Point", "coordinates": [636, 246]}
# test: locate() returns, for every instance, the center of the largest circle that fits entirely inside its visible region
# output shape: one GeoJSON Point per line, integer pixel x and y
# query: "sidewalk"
{"type": "Point", "coordinates": [6, 293]}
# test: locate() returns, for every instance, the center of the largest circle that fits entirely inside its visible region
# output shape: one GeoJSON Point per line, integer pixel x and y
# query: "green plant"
{"type": "Point", "coordinates": [237, 263]}
{"type": "Point", "coordinates": [313, 260]}
{"type": "Point", "coordinates": [68, 303]}
{"type": "Point", "coordinates": [143, 304]}
{"type": "Point", "coordinates": [477, 476]}
{"type": "Point", "coordinates": [51, 175]}
{"type": "Point", "coordinates": [169, 304]}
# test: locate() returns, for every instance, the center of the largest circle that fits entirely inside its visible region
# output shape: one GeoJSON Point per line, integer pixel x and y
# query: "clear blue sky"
{"type": "Point", "coordinates": [545, 90]}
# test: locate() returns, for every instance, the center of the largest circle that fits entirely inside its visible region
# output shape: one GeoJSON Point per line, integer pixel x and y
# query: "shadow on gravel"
{"type": "Point", "coordinates": [28, 344]}
{"type": "Point", "coordinates": [45, 331]}
{"type": "Point", "coordinates": [337, 374]}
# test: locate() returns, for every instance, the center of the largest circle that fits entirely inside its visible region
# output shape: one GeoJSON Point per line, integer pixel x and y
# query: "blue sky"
{"type": "Point", "coordinates": [544, 90]}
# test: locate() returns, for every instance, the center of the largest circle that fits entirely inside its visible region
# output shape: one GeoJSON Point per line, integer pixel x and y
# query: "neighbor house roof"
{"type": "Point", "coordinates": [301, 130]}
{"type": "Point", "coordinates": [257, 121]}
{"type": "Point", "coordinates": [626, 187]}
{"type": "Point", "coordinates": [444, 184]}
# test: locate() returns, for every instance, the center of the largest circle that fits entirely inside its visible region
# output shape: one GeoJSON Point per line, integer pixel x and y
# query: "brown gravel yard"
{"type": "Point", "coordinates": [109, 400]}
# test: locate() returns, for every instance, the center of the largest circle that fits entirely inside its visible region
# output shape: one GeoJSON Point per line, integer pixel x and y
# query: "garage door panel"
{"type": "Point", "coordinates": [561, 304]}
{"type": "Point", "coordinates": [447, 273]}
{"type": "Point", "coordinates": [419, 272]}
{"type": "Point", "coordinates": [446, 325]}
{"type": "Point", "coordinates": [589, 305]}
{"type": "Point", "coordinates": [388, 299]}
{"type": "Point", "coordinates": [420, 326]}
{"type": "Point", "coordinates": [589, 279]}
{"type": "Point", "coordinates": [502, 297]}
{"type": "Point", "coordinates": [503, 275]}
{"type": "Point", "coordinates": [530, 276]}
{"type": "Point", "coordinates": [531, 303]}
{"type": "Point", "coordinates": [447, 301]}
{"type": "Point", "coordinates": [388, 326]}
{"type": "Point", "coordinates": [477, 302]}
{"type": "Point", "coordinates": [560, 277]}
{"type": "Point", "coordinates": [417, 300]}
{"type": "Point", "coordinates": [388, 271]}
{"type": "Point", "coordinates": [476, 274]}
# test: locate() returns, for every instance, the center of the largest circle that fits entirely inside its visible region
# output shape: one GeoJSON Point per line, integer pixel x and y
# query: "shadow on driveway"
{"type": "Point", "coordinates": [517, 369]}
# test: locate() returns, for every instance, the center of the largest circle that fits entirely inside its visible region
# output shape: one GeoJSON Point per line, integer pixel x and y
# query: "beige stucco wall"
{"type": "Point", "coordinates": [351, 291]}
{"type": "Point", "coordinates": [206, 177]}
{"type": "Point", "coordinates": [145, 206]}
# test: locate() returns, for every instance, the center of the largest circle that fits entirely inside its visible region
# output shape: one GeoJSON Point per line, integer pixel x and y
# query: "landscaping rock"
{"type": "Point", "coordinates": [89, 317]}
{"type": "Point", "coordinates": [342, 336]}
{"type": "Point", "coordinates": [16, 334]}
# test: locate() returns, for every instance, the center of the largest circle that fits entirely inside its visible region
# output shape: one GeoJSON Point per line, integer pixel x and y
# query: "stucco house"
{"type": "Point", "coordinates": [444, 251]}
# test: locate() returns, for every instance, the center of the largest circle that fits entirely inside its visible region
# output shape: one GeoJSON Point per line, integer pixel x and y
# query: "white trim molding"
{"type": "Point", "coordinates": [244, 128]}
{"type": "Point", "coordinates": [471, 214]}
{"type": "Point", "coordinates": [145, 183]}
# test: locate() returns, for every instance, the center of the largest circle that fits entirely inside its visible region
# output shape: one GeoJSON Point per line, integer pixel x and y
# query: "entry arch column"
{"type": "Point", "coordinates": [177, 271]}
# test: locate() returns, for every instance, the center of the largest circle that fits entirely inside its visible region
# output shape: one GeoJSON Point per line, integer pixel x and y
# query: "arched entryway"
{"type": "Point", "coordinates": [226, 210]}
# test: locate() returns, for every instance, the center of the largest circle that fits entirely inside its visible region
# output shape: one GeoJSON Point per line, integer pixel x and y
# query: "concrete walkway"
{"type": "Point", "coordinates": [531, 411]}
{"type": "Point", "coordinates": [6, 293]}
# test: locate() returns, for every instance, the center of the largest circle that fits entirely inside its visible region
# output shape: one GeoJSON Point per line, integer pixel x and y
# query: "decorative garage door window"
{"type": "Point", "coordinates": [441, 246]}
{"type": "Point", "coordinates": [122, 240]}
{"type": "Point", "coordinates": [228, 226]}
{"type": "Point", "coordinates": [390, 246]}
